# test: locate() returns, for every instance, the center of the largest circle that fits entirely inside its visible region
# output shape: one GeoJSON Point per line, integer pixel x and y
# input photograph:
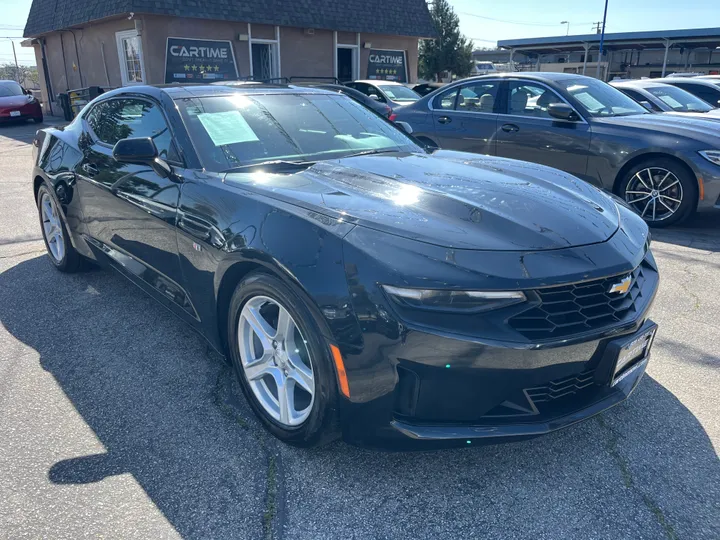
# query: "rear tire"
{"type": "Point", "coordinates": [38, 120]}
{"type": "Point", "coordinates": [60, 250]}
{"type": "Point", "coordinates": [661, 191]}
{"type": "Point", "coordinates": [267, 359]}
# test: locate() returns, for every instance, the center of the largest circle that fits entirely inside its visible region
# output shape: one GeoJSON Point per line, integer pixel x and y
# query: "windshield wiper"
{"type": "Point", "coordinates": [369, 152]}
{"type": "Point", "coordinates": [274, 165]}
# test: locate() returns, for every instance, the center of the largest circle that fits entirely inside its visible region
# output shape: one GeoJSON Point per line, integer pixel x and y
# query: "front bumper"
{"type": "Point", "coordinates": [511, 395]}
{"type": "Point", "coordinates": [710, 175]}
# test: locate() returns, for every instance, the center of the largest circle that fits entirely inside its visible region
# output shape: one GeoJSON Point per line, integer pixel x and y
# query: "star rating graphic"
{"type": "Point", "coordinates": [202, 68]}
{"type": "Point", "coordinates": [387, 71]}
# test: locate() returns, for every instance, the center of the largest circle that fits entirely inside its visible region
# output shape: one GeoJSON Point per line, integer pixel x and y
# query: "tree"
{"type": "Point", "coordinates": [27, 76]}
{"type": "Point", "coordinates": [450, 50]}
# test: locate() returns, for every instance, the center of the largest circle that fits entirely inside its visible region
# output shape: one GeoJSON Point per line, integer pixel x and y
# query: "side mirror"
{"type": "Point", "coordinates": [375, 97]}
{"type": "Point", "coordinates": [562, 111]}
{"type": "Point", "coordinates": [407, 128]}
{"type": "Point", "coordinates": [141, 151]}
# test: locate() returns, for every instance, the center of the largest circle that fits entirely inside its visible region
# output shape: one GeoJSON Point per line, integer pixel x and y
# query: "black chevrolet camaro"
{"type": "Point", "coordinates": [359, 284]}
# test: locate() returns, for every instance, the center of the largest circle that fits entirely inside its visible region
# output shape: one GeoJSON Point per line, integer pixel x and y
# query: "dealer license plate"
{"type": "Point", "coordinates": [14, 113]}
{"type": "Point", "coordinates": [637, 348]}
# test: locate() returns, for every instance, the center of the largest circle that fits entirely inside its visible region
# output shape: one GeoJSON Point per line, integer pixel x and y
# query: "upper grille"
{"type": "Point", "coordinates": [568, 310]}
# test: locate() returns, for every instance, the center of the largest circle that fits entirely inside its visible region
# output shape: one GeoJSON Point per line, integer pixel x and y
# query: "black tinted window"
{"type": "Point", "coordinates": [125, 118]}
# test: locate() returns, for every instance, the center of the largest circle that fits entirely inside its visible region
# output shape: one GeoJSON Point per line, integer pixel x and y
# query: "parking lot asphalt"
{"type": "Point", "coordinates": [117, 421]}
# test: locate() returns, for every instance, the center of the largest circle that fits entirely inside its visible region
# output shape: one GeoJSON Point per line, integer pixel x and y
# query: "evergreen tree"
{"type": "Point", "coordinates": [450, 50]}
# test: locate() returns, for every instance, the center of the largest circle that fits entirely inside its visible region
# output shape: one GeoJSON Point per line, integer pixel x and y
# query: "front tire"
{"type": "Point", "coordinates": [661, 191]}
{"type": "Point", "coordinates": [282, 361]}
{"type": "Point", "coordinates": [60, 250]}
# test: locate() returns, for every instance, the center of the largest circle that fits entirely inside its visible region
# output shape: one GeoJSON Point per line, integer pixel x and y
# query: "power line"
{"type": "Point", "coordinates": [512, 22]}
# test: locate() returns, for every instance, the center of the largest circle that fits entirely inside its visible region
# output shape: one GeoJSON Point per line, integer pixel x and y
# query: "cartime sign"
{"type": "Point", "coordinates": [199, 60]}
{"type": "Point", "coordinates": [387, 65]}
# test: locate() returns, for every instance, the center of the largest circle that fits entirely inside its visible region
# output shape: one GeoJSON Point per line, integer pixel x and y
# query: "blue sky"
{"type": "Point", "coordinates": [487, 21]}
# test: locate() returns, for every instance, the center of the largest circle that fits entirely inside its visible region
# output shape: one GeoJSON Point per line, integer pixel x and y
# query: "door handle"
{"type": "Point", "coordinates": [444, 119]}
{"type": "Point", "coordinates": [90, 169]}
{"type": "Point", "coordinates": [510, 128]}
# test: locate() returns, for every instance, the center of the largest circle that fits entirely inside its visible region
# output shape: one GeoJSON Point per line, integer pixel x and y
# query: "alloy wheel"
{"type": "Point", "coordinates": [655, 193]}
{"type": "Point", "coordinates": [276, 360]}
{"type": "Point", "coordinates": [52, 227]}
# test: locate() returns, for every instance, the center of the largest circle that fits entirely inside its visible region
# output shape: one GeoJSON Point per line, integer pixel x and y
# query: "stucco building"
{"type": "Point", "coordinates": [81, 43]}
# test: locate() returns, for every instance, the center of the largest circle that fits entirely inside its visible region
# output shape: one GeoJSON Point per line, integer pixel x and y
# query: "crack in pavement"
{"type": "Point", "coordinates": [629, 482]}
{"type": "Point", "coordinates": [273, 512]}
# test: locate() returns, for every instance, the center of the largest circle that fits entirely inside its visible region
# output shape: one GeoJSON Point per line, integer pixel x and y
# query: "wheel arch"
{"type": "Point", "coordinates": [237, 270]}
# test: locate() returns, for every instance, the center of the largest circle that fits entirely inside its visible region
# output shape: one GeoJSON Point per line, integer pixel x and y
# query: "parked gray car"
{"type": "Point", "coordinates": [665, 167]}
{"type": "Point", "coordinates": [666, 98]}
{"type": "Point", "coordinates": [706, 89]}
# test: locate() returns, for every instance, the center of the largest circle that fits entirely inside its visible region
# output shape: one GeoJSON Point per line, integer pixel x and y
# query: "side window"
{"type": "Point", "coordinates": [529, 99]}
{"type": "Point", "coordinates": [479, 96]}
{"type": "Point", "coordinates": [446, 100]}
{"type": "Point", "coordinates": [632, 94]}
{"type": "Point", "coordinates": [709, 95]}
{"type": "Point", "coordinates": [117, 119]}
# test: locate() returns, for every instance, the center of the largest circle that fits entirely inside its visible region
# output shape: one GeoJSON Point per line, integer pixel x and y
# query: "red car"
{"type": "Point", "coordinates": [16, 103]}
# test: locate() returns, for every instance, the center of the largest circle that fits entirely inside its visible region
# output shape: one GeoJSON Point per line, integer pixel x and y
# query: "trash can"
{"type": "Point", "coordinates": [64, 100]}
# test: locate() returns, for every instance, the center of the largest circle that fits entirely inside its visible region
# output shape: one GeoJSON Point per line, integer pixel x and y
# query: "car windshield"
{"type": "Point", "coordinates": [10, 88]}
{"type": "Point", "coordinates": [600, 99]}
{"type": "Point", "coordinates": [397, 92]}
{"type": "Point", "coordinates": [239, 130]}
{"type": "Point", "coordinates": [678, 99]}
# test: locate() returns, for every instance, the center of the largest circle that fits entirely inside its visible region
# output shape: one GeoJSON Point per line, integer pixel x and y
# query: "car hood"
{"type": "Point", "coordinates": [685, 125]}
{"type": "Point", "coordinates": [710, 115]}
{"type": "Point", "coordinates": [452, 199]}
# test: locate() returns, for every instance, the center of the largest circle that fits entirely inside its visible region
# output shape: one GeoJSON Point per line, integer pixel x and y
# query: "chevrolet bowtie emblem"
{"type": "Point", "coordinates": [621, 287]}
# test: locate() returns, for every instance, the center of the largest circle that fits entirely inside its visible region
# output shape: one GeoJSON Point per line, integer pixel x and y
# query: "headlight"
{"type": "Point", "coordinates": [711, 155]}
{"type": "Point", "coordinates": [448, 300]}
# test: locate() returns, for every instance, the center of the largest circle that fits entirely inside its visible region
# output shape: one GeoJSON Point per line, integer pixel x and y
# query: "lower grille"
{"type": "Point", "coordinates": [560, 387]}
{"type": "Point", "coordinates": [568, 310]}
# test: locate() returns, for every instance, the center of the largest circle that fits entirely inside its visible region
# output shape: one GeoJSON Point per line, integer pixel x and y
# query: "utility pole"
{"type": "Point", "coordinates": [602, 40]}
{"type": "Point", "coordinates": [17, 68]}
{"type": "Point", "coordinates": [596, 26]}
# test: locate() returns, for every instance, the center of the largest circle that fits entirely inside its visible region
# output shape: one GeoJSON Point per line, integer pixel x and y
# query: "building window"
{"type": "Point", "coordinates": [265, 56]}
{"type": "Point", "coordinates": [132, 70]}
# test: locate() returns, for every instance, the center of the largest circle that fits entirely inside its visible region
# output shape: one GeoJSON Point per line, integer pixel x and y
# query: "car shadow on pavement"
{"type": "Point", "coordinates": [701, 231]}
{"type": "Point", "coordinates": [168, 412]}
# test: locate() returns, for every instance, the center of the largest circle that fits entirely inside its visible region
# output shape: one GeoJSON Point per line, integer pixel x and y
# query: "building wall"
{"type": "Point", "coordinates": [304, 55]}
{"type": "Point", "coordinates": [77, 61]}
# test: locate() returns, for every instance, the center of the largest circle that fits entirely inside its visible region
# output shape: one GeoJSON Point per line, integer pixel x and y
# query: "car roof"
{"type": "Point", "coordinates": [534, 75]}
{"type": "Point", "coordinates": [178, 91]}
{"type": "Point", "coordinates": [690, 80]}
{"type": "Point", "coordinates": [371, 81]}
{"type": "Point", "coordinates": [639, 83]}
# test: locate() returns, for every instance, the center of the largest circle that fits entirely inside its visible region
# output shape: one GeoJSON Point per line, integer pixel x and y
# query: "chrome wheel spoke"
{"type": "Point", "coordinates": [637, 175]}
{"type": "Point", "coordinates": [660, 183]}
{"type": "Point", "coordinates": [666, 206]}
{"type": "Point", "coordinates": [260, 367]}
{"type": "Point", "coordinates": [285, 326]}
{"type": "Point", "coordinates": [646, 208]}
{"type": "Point", "coordinates": [260, 326]}
{"type": "Point", "coordinates": [654, 202]}
{"type": "Point", "coordinates": [669, 185]}
{"type": "Point", "coordinates": [303, 377]}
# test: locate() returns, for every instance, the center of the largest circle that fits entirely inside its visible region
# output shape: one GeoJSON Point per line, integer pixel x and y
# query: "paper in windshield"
{"type": "Point", "coordinates": [227, 128]}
